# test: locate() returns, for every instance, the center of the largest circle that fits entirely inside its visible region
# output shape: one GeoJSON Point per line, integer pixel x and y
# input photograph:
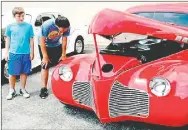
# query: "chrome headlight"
{"type": "Point", "coordinates": [160, 86]}
{"type": "Point", "coordinates": [65, 73]}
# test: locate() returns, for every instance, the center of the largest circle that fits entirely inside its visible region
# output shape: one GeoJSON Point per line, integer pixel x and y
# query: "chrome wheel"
{"type": "Point", "coordinates": [6, 75]}
{"type": "Point", "coordinates": [79, 46]}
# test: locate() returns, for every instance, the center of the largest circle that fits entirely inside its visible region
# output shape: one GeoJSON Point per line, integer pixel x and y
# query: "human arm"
{"type": "Point", "coordinates": [7, 42]}
{"type": "Point", "coordinates": [31, 49]}
{"type": "Point", "coordinates": [7, 45]}
{"type": "Point", "coordinates": [64, 44]}
{"type": "Point", "coordinates": [45, 59]}
{"type": "Point", "coordinates": [31, 43]}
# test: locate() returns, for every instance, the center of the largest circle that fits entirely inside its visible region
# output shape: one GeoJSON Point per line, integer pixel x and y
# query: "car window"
{"type": "Point", "coordinates": [47, 16]}
{"type": "Point", "coordinates": [180, 19]}
{"type": "Point", "coordinates": [44, 18]}
{"type": "Point", "coordinates": [38, 21]}
{"type": "Point", "coordinates": [146, 14]}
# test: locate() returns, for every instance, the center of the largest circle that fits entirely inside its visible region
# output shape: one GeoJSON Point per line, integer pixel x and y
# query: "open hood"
{"type": "Point", "coordinates": [110, 23]}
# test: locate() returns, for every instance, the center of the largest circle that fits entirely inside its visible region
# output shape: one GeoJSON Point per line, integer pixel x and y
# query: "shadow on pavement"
{"type": "Point", "coordinates": [128, 125]}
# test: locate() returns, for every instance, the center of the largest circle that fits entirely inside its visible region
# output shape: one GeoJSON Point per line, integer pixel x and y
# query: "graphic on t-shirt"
{"type": "Point", "coordinates": [54, 34]}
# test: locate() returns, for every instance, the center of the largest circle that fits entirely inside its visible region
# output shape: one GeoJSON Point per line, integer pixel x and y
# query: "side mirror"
{"type": "Point", "coordinates": [38, 23]}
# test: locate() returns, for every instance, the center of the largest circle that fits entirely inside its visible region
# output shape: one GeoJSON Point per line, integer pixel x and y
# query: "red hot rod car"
{"type": "Point", "coordinates": [143, 79]}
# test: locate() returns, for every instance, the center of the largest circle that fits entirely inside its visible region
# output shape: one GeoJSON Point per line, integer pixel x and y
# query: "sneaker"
{"type": "Point", "coordinates": [24, 93]}
{"type": "Point", "coordinates": [11, 95]}
{"type": "Point", "coordinates": [43, 93]}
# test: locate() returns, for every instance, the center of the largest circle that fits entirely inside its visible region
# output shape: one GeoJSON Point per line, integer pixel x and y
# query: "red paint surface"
{"type": "Point", "coordinates": [171, 110]}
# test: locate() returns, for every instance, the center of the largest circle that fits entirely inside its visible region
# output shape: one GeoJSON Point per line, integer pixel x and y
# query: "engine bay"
{"type": "Point", "coordinates": [145, 50]}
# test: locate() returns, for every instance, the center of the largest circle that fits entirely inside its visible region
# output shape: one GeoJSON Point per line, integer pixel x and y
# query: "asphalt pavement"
{"type": "Point", "coordinates": [37, 113]}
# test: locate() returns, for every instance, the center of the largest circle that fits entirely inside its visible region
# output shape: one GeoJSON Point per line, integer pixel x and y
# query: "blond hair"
{"type": "Point", "coordinates": [17, 10]}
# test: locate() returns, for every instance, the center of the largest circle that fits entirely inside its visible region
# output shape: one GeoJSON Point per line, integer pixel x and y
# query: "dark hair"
{"type": "Point", "coordinates": [62, 22]}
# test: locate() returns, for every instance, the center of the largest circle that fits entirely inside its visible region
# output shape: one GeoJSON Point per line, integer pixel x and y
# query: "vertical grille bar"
{"type": "Point", "coordinates": [128, 101]}
{"type": "Point", "coordinates": [82, 93]}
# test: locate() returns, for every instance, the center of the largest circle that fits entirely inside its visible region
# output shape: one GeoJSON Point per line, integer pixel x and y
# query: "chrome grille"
{"type": "Point", "coordinates": [128, 101]}
{"type": "Point", "coordinates": [82, 93]}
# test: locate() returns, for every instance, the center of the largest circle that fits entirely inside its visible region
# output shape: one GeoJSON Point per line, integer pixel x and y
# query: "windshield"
{"type": "Point", "coordinates": [180, 19]}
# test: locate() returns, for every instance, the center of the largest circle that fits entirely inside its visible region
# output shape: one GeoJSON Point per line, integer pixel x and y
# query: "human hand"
{"type": "Point", "coordinates": [45, 61]}
{"type": "Point", "coordinates": [31, 56]}
{"type": "Point", "coordinates": [63, 57]}
{"type": "Point", "coordinates": [6, 56]}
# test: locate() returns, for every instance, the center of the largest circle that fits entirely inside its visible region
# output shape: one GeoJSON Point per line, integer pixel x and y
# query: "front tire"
{"type": "Point", "coordinates": [79, 45]}
{"type": "Point", "coordinates": [4, 72]}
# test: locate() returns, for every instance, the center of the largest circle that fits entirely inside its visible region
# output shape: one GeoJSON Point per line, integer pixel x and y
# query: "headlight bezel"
{"type": "Point", "coordinates": [68, 72]}
{"type": "Point", "coordinates": [160, 82]}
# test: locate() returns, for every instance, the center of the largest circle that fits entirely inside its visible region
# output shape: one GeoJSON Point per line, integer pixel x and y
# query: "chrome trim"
{"type": "Point", "coordinates": [82, 93]}
{"type": "Point", "coordinates": [126, 101]}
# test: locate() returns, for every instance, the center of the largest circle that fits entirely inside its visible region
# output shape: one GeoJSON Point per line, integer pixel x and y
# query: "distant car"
{"type": "Point", "coordinates": [36, 17]}
{"type": "Point", "coordinates": [143, 78]}
{"type": "Point", "coordinates": [174, 13]}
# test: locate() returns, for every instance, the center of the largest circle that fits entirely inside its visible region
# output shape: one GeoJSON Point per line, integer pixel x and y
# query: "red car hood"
{"type": "Point", "coordinates": [184, 28]}
{"type": "Point", "coordinates": [176, 26]}
{"type": "Point", "coordinates": [111, 22]}
{"type": "Point", "coordinates": [119, 63]}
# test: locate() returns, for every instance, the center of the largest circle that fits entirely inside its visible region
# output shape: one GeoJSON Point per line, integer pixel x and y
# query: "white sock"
{"type": "Point", "coordinates": [11, 90]}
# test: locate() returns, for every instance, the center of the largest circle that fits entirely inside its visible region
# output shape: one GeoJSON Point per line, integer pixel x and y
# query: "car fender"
{"type": "Point", "coordinates": [177, 74]}
{"type": "Point", "coordinates": [80, 66]}
{"type": "Point", "coordinates": [72, 38]}
{"type": "Point", "coordinates": [139, 77]}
